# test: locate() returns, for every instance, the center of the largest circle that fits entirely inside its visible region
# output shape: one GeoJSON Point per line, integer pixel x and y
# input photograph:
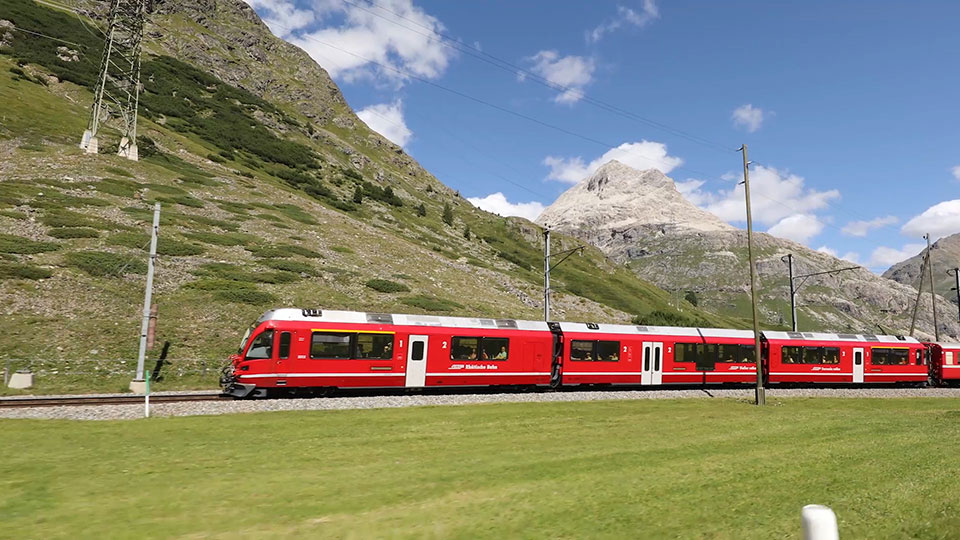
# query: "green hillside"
{"type": "Point", "coordinates": [263, 206]}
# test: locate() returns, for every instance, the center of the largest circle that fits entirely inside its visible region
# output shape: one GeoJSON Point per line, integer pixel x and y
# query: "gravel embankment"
{"type": "Point", "coordinates": [119, 412]}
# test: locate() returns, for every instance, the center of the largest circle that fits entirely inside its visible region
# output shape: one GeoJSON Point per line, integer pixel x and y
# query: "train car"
{"type": "Point", "coordinates": [811, 357]}
{"type": "Point", "coordinates": [297, 349]}
{"type": "Point", "coordinates": [945, 362]}
{"type": "Point", "coordinates": [655, 355]}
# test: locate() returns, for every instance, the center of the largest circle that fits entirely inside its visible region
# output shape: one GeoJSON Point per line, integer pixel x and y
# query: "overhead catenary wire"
{"type": "Point", "coordinates": [477, 53]}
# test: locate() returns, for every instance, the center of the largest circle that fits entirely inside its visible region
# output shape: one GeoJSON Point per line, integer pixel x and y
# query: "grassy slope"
{"type": "Point", "coordinates": [203, 306]}
{"type": "Point", "coordinates": [689, 468]}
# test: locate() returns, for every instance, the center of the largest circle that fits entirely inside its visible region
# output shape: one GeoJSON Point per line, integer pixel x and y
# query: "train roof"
{"type": "Point", "coordinates": [819, 336]}
{"type": "Point", "coordinates": [362, 317]}
{"type": "Point", "coordinates": [677, 331]}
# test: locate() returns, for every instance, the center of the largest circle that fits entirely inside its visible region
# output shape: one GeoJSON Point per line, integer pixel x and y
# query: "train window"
{"type": "Point", "coordinates": [707, 359]}
{"type": "Point", "coordinates": [417, 352]}
{"type": "Point", "coordinates": [479, 348]}
{"type": "Point", "coordinates": [686, 352]}
{"type": "Point", "coordinates": [262, 346]}
{"type": "Point", "coordinates": [595, 351]}
{"type": "Point", "coordinates": [831, 355]}
{"type": "Point", "coordinates": [465, 348]}
{"type": "Point", "coordinates": [728, 354]}
{"type": "Point", "coordinates": [919, 356]}
{"type": "Point", "coordinates": [284, 345]}
{"type": "Point", "coordinates": [608, 351]}
{"type": "Point", "coordinates": [812, 355]}
{"type": "Point", "coordinates": [495, 348]}
{"type": "Point", "coordinates": [374, 346]}
{"type": "Point", "coordinates": [890, 357]}
{"type": "Point", "coordinates": [949, 358]}
{"type": "Point", "coordinates": [330, 345]}
{"type": "Point", "coordinates": [747, 355]}
{"type": "Point", "coordinates": [581, 351]}
{"type": "Point", "coordinates": [791, 355]}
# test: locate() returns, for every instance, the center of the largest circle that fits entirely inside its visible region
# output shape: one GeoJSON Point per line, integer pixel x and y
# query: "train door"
{"type": "Point", "coordinates": [652, 363]}
{"type": "Point", "coordinates": [417, 362]}
{"type": "Point", "coordinates": [283, 352]}
{"type": "Point", "coordinates": [858, 365]}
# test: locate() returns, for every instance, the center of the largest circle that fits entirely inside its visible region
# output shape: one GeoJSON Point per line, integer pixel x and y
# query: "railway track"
{"type": "Point", "coordinates": [72, 401]}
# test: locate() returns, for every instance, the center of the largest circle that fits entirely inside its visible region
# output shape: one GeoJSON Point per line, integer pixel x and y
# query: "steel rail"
{"type": "Point", "coordinates": [74, 401]}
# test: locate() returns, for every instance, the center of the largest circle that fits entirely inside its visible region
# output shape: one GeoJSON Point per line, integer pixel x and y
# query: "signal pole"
{"type": "Point", "coordinates": [760, 393]}
{"type": "Point", "coordinates": [118, 83]}
{"type": "Point", "coordinates": [956, 274]}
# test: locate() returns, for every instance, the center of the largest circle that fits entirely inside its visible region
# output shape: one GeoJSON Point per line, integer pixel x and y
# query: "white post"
{"type": "Point", "coordinates": [146, 397]}
{"type": "Point", "coordinates": [819, 523]}
{"type": "Point", "coordinates": [137, 383]}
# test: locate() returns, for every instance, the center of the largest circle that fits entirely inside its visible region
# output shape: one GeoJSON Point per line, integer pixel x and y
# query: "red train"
{"type": "Point", "coordinates": [324, 349]}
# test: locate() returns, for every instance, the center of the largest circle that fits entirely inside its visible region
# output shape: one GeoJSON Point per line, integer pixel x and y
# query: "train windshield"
{"type": "Point", "coordinates": [246, 336]}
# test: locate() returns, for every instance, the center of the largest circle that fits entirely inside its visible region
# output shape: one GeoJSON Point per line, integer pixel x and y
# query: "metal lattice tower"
{"type": "Point", "coordinates": [118, 83]}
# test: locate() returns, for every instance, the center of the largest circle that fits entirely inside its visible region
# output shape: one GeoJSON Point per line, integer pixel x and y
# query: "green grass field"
{"type": "Point", "coordinates": [640, 469]}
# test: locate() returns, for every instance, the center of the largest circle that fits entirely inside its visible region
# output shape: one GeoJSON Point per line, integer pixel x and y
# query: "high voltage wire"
{"type": "Point", "coordinates": [479, 100]}
{"type": "Point", "coordinates": [505, 65]}
{"type": "Point", "coordinates": [477, 53]}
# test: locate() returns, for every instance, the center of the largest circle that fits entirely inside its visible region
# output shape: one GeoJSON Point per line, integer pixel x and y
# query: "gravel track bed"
{"type": "Point", "coordinates": [125, 412]}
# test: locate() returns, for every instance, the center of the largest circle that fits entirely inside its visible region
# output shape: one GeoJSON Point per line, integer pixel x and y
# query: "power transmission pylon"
{"type": "Point", "coordinates": [118, 83]}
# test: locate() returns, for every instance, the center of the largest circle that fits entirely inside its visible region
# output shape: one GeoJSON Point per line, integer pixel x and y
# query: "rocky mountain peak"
{"type": "Point", "coordinates": [618, 197]}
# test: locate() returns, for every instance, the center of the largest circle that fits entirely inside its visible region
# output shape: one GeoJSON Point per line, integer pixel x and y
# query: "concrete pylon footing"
{"type": "Point", "coordinates": [21, 380]}
{"type": "Point", "coordinates": [138, 387]}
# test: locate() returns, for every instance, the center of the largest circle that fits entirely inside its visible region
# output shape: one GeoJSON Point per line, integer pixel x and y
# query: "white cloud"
{"type": "Point", "coordinates": [939, 220]}
{"type": "Point", "coordinates": [885, 257]}
{"type": "Point", "coordinates": [774, 195]}
{"type": "Point", "coordinates": [282, 16]}
{"type": "Point", "coordinates": [387, 120]}
{"type": "Point", "coordinates": [647, 14]}
{"type": "Point", "coordinates": [572, 73]}
{"type": "Point", "coordinates": [350, 42]}
{"type": "Point", "coordinates": [639, 155]}
{"type": "Point", "coordinates": [498, 204]}
{"type": "Point", "coordinates": [748, 116]}
{"type": "Point", "coordinates": [850, 256]}
{"type": "Point", "coordinates": [861, 228]}
{"type": "Point", "coordinates": [798, 227]}
{"type": "Point", "coordinates": [956, 172]}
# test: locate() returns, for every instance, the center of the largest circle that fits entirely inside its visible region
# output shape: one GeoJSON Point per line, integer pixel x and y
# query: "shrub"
{"type": "Point", "coordinates": [221, 239]}
{"type": "Point", "coordinates": [245, 296]}
{"type": "Point", "coordinates": [277, 277]}
{"type": "Point", "coordinates": [303, 252]}
{"type": "Point", "coordinates": [665, 318]}
{"type": "Point", "coordinates": [430, 303]}
{"type": "Point", "coordinates": [66, 218]}
{"type": "Point", "coordinates": [119, 171]}
{"type": "Point", "coordinates": [422, 210]}
{"type": "Point", "coordinates": [387, 286]}
{"type": "Point", "coordinates": [17, 244]}
{"type": "Point", "coordinates": [292, 266]}
{"type": "Point", "coordinates": [296, 213]}
{"type": "Point", "coordinates": [216, 284]}
{"type": "Point", "coordinates": [216, 158]}
{"type": "Point", "coordinates": [515, 259]}
{"type": "Point", "coordinates": [165, 189]}
{"type": "Point", "coordinates": [165, 245]}
{"type": "Point", "coordinates": [78, 232]}
{"type": "Point", "coordinates": [118, 187]}
{"type": "Point", "coordinates": [23, 271]}
{"type": "Point", "coordinates": [342, 249]}
{"type": "Point", "coordinates": [105, 264]}
{"type": "Point", "coordinates": [358, 195]}
{"type": "Point", "coordinates": [447, 214]}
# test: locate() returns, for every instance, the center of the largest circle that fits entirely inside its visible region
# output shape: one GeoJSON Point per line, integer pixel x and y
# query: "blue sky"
{"type": "Point", "coordinates": [850, 110]}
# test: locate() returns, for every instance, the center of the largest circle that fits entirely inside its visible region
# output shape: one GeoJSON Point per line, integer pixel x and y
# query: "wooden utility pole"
{"type": "Point", "coordinates": [933, 293]}
{"type": "Point", "coordinates": [760, 394]}
{"type": "Point", "coordinates": [793, 292]}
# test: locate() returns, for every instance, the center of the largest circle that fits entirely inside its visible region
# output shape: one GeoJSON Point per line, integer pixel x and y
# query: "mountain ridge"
{"type": "Point", "coordinates": [711, 261]}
